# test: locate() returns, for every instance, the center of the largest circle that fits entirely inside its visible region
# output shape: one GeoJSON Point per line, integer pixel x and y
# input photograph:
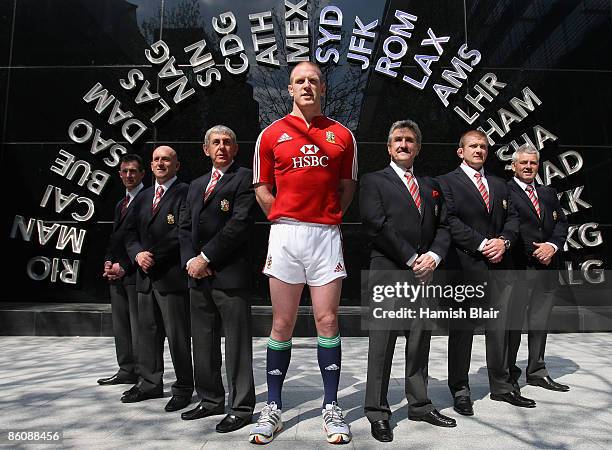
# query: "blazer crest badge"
{"type": "Point", "coordinates": [225, 205]}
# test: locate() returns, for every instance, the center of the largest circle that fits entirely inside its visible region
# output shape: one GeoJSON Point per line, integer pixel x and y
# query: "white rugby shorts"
{"type": "Point", "coordinates": [302, 252]}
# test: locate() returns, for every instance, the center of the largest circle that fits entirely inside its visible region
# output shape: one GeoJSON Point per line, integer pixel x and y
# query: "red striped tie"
{"type": "Point", "coordinates": [124, 205]}
{"type": "Point", "coordinates": [213, 182]}
{"type": "Point", "coordinates": [532, 196]}
{"type": "Point", "coordinates": [158, 195]}
{"type": "Point", "coordinates": [483, 190]}
{"type": "Point", "coordinates": [413, 187]}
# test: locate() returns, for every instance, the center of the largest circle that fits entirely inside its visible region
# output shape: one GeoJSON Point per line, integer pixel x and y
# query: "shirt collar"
{"type": "Point", "coordinates": [401, 172]}
{"type": "Point", "coordinates": [470, 171]}
{"type": "Point", "coordinates": [167, 184]}
{"type": "Point", "coordinates": [222, 169]}
{"type": "Point", "coordinates": [523, 185]}
{"type": "Point", "coordinates": [134, 191]}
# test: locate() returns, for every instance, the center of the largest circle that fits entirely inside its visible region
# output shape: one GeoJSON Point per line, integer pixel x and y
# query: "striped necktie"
{"type": "Point", "coordinates": [534, 199]}
{"type": "Point", "coordinates": [213, 182]}
{"type": "Point", "coordinates": [413, 187]}
{"type": "Point", "coordinates": [158, 195]}
{"type": "Point", "coordinates": [124, 205]}
{"type": "Point", "coordinates": [483, 190]}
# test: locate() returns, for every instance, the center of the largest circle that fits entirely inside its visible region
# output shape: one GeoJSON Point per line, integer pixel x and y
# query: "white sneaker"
{"type": "Point", "coordinates": [336, 429]}
{"type": "Point", "coordinates": [268, 424]}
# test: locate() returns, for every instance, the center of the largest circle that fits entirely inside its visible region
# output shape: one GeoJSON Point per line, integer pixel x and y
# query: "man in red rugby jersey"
{"type": "Point", "coordinates": [312, 161]}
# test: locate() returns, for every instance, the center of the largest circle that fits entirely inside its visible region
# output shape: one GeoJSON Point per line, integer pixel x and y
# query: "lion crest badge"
{"type": "Point", "coordinates": [225, 205]}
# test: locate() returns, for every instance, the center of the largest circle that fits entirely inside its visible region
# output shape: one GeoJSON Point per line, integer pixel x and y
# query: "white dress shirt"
{"type": "Point", "coordinates": [166, 186]}
{"type": "Point", "coordinates": [133, 193]}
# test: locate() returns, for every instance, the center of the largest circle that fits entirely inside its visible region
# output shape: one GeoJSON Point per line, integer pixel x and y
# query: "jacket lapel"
{"type": "Point", "coordinates": [471, 186]}
{"type": "Point", "coordinates": [492, 193]}
{"type": "Point", "coordinates": [227, 176]}
{"type": "Point", "coordinates": [165, 199]}
{"type": "Point", "coordinates": [205, 182]}
{"type": "Point", "coordinates": [425, 191]}
{"type": "Point", "coordinates": [118, 218]}
{"type": "Point", "coordinates": [395, 180]}
{"type": "Point", "coordinates": [541, 198]}
{"type": "Point", "coordinates": [525, 198]}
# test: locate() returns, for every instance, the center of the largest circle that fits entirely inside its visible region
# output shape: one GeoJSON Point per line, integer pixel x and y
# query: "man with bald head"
{"type": "Point", "coordinates": [311, 160]}
{"type": "Point", "coordinates": [163, 301]}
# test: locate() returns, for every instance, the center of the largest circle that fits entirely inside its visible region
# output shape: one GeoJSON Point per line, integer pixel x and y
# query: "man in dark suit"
{"type": "Point", "coordinates": [120, 271]}
{"type": "Point", "coordinates": [403, 216]}
{"type": "Point", "coordinates": [214, 229]}
{"type": "Point", "coordinates": [543, 230]}
{"type": "Point", "coordinates": [483, 226]}
{"type": "Point", "coordinates": [163, 303]}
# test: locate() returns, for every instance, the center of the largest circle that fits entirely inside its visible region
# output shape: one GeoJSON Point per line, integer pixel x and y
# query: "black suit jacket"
{"type": "Point", "coordinates": [551, 227]}
{"type": "Point", "coordinates": [158, 233]}
{"type": "Point", "coordinates": [470, 222]}
{"type": "Point", "coordinates": [392, 221]}
{"type": "Point", "coordinates": [116, 248]}
{"type": "Point", "coordinates": [220, 228]}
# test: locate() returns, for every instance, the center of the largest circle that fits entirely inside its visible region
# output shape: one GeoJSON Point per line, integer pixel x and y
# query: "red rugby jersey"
{"type": "Point", "coordinates": [306, 163]}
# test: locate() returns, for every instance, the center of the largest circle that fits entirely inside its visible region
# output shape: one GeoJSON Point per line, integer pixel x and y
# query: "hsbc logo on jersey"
{"type": "Point", "coordinates": [310, 158]}
{"type": "Point", "coordinates": [310, 149]}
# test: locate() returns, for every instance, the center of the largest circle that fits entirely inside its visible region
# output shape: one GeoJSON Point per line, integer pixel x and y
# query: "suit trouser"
{"type": "Point", "coordinates": [214, 310]}
{"type": "Point", "coordinates": [460, 338]}
{"type": "Point", "coordinates": [124, 306]}
{"type": "Point", "coordinates": [380, 357]}
{"type": "Point", "coordinates": [536, 297]}
{"type": "Point", "coordinates": [162, 315]}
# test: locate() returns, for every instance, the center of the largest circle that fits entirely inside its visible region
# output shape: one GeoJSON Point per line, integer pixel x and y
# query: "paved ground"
{"type": "Point", "coordinates": [50, 384]}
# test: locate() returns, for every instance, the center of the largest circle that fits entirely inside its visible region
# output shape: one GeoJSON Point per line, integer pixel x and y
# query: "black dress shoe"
{"type": "Point", "coordinates": [514, 398]}
{"type": "Point", "coordinates": [548, 383]}
{"type": "Point", "coordinates": [130, 390]}
{"type": "Point", "coordinates": [232, 423]}
{"type": "Point", "coordinates": [116, 379]}
{"type": "Point", "coordinates": [381, 431]}
{"type": "Point", "coordinates": [435, 418]}
{"type": "Point", "coordinates": [177, 402]}
{"type": "Point", "coordinates": [463, 405]}
{"type": "Point", "coordinates": [200, 411]}
{"type": "Point", "coordinates": [138, 395]}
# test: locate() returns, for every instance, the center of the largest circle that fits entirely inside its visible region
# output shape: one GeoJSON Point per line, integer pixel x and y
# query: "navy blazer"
{"type": "Point", "coordinates": [552, 226]}
{"type": "Point", "coordinates": [470, 222]}
{"type": "Point", "coordinates": [393, 223]}
{"type": "Point", "coordinates": [158, 233]}
{"type": "Point", "coordinates": [116, 250]}
{"type": "Point", "coordinates": [220, 227]}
